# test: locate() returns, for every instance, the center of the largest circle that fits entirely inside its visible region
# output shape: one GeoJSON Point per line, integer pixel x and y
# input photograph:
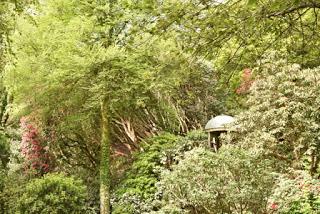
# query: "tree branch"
{"type": "Point", "coordinates": [306, 5]}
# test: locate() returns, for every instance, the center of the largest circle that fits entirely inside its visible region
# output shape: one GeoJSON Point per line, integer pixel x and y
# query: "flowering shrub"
{"type": "Point", "coordinates": [282, 121]}
{"type": "Point", "coordinates": [295, 193]}
{"type": "Point", "coordinates": [33, 149]}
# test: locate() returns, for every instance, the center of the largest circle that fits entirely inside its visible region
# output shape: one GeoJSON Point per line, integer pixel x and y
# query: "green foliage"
{"type": "Point", "coordinates": [13, 188]}
{"type": "Point", "coordinates": [142, 176]}
{"type": "Point", "coordinates": [296, 193]}
{"type": "Point", "coordinates": [72, 54]}
{"type": "Point", "coordinates": [4, 150]}
{"type": "Point", "coordinates": [165, 66]}
{"type": "Point", "coordinates": [4, 159]}
{"type": "Point", "coordinates": [60, 55]}
{"type": "Point", "coordinates": [253, 28]}
{"type": "Point", "coordinates": [283, 118]}
{"type": "Point", "coordinates": [138, 191]}
{"type": "Point", "coordinates": [54, 193]}
{"type": "Point", "coordinates": [138, 187]}
{"type": "Point", "coordinates": [230, 181]}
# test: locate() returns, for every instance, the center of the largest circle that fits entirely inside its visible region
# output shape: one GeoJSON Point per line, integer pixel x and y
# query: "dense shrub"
{"type": "Point", "coordinates": [296, 193]}
{"type": "Point", "coordinates": [283, 117]}
{"type": "Point", "coordinates": [54, 193]}
{"type": "Point", "coordinates": [13, 188]}
{"type": "Point", "coordinates": [139, 183]}
{"type": "Point", "coordinates": [142, 176]}
{"type": "Point", "coordinates": [138, 191]}
{"type": "Point", "coordinates": [230, 181]}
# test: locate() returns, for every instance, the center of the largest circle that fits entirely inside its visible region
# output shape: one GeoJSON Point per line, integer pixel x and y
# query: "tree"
{"type": "Point", "coordinates": [253, 27]}
{"type": "Point", "coordinates": [235, 34]}
{"type": "Point", "coordinates": [71, 65]}
{"type": "Point", "coordinates": [105, 177]}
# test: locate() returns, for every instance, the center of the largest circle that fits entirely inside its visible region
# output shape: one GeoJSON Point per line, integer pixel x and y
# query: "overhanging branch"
{"type": "Point", "coordinates": [306, 5]}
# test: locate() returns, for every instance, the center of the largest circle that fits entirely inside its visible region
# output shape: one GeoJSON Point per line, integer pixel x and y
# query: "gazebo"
{"type": "Point", "coordinates": [215, 127]}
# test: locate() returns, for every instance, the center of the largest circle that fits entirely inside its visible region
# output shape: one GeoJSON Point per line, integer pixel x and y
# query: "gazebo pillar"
{"type": "Point", "coordinates": [213, 140]}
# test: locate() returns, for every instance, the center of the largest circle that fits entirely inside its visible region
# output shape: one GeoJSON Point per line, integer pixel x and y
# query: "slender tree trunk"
{"type": "Point", "coordinates": [105, 162]}
{"type": "Point", "coordinates": [314, 163]}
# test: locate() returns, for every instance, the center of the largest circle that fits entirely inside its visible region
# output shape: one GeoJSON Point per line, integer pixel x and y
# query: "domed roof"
{"type": "Point", "coordinates": [218, 123]}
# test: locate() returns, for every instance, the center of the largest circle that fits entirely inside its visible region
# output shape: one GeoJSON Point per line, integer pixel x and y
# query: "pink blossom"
{"type": "Point", "coordinates": [274, 206]}
{"type": "Point", "coordinates": [33, 149]}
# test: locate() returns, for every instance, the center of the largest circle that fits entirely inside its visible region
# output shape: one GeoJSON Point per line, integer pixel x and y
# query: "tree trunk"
{"type": "Point", "coordinates": [314, 163]}
{"type": "Point", "coordinates": [105, 162]}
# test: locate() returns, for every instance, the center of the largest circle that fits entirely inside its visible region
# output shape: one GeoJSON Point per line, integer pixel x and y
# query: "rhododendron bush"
{"type": "Point", "coordinates": [230, 181]}
{"type": "Point", "coordinates": [269, 161]}
{"type": "Point", "coordinates": [283, 116]}
{"type": "Point", "coordinates": [296, 192]}
{"type": "Point", "coordinates": [33, 149]}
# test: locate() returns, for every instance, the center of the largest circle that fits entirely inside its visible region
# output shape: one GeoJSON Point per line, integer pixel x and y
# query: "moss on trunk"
{"type": "Point", "coordinates": [105, 162]}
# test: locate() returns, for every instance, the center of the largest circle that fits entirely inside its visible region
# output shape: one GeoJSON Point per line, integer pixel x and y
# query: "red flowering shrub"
{"type": "Point", "coordinates": [296, 193]}
{"type": "Point", "coordinates": [33, 149]}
